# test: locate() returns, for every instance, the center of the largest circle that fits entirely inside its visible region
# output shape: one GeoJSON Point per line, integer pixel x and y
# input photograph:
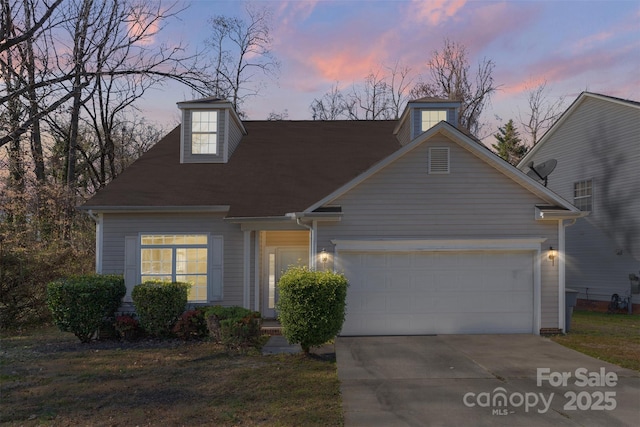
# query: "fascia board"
{"type": "Point", "coordinates": [463, 140]}
{"type": "Point", "coordinates": [512, 172]}
{"type": "Point", "coordinates": [526, 159]}
{"type": "Point", "coordinates": [155, 209]}
{"type": "Point", "coordinates": [434, 245]}
{"type": "Point", "coordinates": [568, 112]}
{"type": "Point", "coordinates": [377, 167]}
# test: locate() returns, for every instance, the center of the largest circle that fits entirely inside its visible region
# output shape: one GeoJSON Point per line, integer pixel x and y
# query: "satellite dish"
{"type": "Point", "coordinates": [542, 171]}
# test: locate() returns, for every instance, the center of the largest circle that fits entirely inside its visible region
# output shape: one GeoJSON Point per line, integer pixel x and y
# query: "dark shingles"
{"type": "Point", "coordinates": [279, 167]}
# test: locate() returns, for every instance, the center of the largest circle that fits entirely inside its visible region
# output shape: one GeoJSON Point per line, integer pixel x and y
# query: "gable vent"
{"type": "Point", "coordinates": [438, 160]}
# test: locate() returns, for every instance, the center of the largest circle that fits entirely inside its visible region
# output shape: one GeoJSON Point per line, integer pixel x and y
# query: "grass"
{"type": "Point", "coordinates": [614, 338]}
{"type": "Point", "coordinates": [49, 378]}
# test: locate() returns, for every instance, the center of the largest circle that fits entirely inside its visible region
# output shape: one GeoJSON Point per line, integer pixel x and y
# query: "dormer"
{"type": "Point", "coordinates": [211, 131]}
{"type": "Point", "coordinates": [422, 114]}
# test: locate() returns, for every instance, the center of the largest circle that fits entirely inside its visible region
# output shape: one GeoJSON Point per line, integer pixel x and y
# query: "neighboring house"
{"type": "Point", "coordinates": [596, 143]}
{"type": "Point", "coordinates": [434, 232]}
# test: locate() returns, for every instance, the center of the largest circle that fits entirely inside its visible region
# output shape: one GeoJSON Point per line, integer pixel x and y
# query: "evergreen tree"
{"type": "Point", "coordinates": [509, 145]}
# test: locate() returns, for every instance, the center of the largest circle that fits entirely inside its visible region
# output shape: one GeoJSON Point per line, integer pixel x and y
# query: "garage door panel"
{"type": "Point", "coordinates": [438, 292]}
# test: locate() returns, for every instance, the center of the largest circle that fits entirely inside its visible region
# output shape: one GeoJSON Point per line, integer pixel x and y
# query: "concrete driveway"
{"type": "Point", "coordinates": [481, 380]}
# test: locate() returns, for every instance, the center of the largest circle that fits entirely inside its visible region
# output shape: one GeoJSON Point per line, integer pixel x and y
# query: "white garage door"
{"type": "Point", "coordinates": [405, 293]}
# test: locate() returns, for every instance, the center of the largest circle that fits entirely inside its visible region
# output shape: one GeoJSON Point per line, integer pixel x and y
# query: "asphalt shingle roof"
{"type": "Point", "coordinates": [279, 167]}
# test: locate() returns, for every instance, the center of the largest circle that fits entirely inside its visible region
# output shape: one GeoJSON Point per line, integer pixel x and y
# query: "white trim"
{"type": "Point", "coordinates": [246, 270]}
{"type": "Point", "coordinates": [99, 242]}
{"type": "Point", "coordinates": [561, 275]}
{"type": "Point", "coordinates": [433, 245]}
{"type": "Point", "coordinates": [256, 270]}
{"type": "Point", "coordinates": [160, 209]}
{"type": "Point", "coordinates": [225, 147]}
{"type": "Point", "coordinates": [550, 214]}
{"type": "Point", "coordinates": [470, 145]}
{"type": "Point", "coordinates": [537, 291]}
{"type": "Point", "coordinates": [313, 245]}
{"type": "Point", "coordinates": [568, 112]}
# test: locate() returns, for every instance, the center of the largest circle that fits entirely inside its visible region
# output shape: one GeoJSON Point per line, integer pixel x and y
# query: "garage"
{"type": "Point", "coordinates": [439, 292]}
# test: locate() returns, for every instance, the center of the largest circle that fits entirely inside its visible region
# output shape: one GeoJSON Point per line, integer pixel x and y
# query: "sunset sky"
{"type": "Point", "coordinates": [574, 45]}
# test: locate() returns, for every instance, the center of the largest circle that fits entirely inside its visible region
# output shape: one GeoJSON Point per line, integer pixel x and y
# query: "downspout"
{"type": "Point", "coordinates": [98, 220]}
{"type": "Point", "coordinates": [561, 271]}
{"type": "Point", "coordinates": [312, 241]}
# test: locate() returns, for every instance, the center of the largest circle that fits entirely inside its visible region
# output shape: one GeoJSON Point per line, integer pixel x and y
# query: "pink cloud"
{"type": "Point", "coordinates": [435, 12]}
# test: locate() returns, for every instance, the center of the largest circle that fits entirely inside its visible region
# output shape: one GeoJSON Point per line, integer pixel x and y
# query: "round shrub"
{"type": "Point", "coordinates": [159, 304]}
{"type": "Point", "coordinates": [79, 304]}
{"type": "Point", "coordinates": [311, 308]}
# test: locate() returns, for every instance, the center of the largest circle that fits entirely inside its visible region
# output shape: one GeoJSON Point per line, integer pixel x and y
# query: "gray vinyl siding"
{"type": "Point", "coordinates": [119, 226]}
{"type": "Point", "coordinates": [404, 133]}
{"type": "Point", "coordinates": [234, 138]}
{"type": "Point", "coordinates": [600, 141]}
{"type": "Point", "coordinates": [187, 156]}
{"type": "Point", "coordinates": [474, 201]}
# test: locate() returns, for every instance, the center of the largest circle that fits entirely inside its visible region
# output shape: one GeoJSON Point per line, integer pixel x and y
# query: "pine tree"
{"type": "Point", "coordinates": [509, 145]}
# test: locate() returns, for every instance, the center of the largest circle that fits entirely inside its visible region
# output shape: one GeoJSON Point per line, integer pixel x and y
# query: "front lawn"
{"type": "Point", "coordinates": [49, 378]}
{"type": "Point", "coordinates": [613, 338]}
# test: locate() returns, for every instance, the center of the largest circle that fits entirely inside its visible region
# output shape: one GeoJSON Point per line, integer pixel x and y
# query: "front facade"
{"type": "Point", "coordinates": [434, 232]}
{"type": "Point", "coordinates": [596, 144]}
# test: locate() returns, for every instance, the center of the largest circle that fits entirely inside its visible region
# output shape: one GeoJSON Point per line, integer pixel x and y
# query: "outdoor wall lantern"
{"type": "Point", "coordinates": [552, 255]}
{"type": "Point", "coordinates": [324, 257]}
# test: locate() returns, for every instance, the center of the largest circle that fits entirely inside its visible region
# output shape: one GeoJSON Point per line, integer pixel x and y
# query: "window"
{"type": "Point", "coordinates": [583, 195]}
{"type": "Point", "coordinates": [204, 132]}
{"type": "Point", "coordinates": [438, 160]}
{"type": "Point", "coordinates": [176, 258]}
{"type": "Point", "coordinates": [430, 118]}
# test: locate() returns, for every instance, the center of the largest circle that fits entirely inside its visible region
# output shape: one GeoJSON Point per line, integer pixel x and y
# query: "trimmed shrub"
{"type": "Point", "coordinates": [79, 304]}
{"type": "Point", "coordinates": [191, 325]}
{"type": "Point", "coordinates": [312, 304]}
{"type": "Point", "coordinates": [235, 327]}
{"type": "Point", "coordinates": [127, 326]}
{"type": "Point", "coordinates": [159, 304]}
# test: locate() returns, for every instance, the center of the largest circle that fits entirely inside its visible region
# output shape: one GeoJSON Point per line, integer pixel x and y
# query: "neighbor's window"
{"type": "Point", "coordinates": [430, 118]}
{"type": "Point", "coordinates": [176, 258]}
{"type": "Point", "coordinates": [583, 195]}
{"type": "Point", "coordinates": [204, 132]}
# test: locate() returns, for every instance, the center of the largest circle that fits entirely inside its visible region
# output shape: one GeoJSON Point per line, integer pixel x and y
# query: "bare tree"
{"type": "Point", "coordinates": [331, 106]}
{"type": "Point", "coordinates": [370, 101]}
{"type": "Point", "coordinates": [451, 78]}
{"type": "Point", "coordinates": [399, 88]}
{"type": "Point", "coordinates": [542, 112]}
{"type": "Point", "coordinates": [241, 49]}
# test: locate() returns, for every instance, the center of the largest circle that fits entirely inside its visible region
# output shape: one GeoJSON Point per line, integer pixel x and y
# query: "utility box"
{"type": "Point", "coordinates": [570, 301]}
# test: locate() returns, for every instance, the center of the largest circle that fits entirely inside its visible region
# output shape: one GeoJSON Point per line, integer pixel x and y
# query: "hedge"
{"type": "Point", "coordinates": [159, 305]}
{"type": "Point", "coordinates": [312, 305]}
{"type": "Point", "coordinates": [80, 304]}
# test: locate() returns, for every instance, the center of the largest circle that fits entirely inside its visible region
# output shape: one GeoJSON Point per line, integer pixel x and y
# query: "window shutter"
{"type": "Point", "coordinates": [439, 160]}
{"type": "Point", "coordinates": [215, 270]}
{"type": "Point", "coordinates": [131, 256]}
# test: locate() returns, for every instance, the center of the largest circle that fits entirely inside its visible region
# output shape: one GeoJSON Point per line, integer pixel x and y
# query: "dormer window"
{"type": "Point", "coordinates": [430, 118]}
{"type": "Point", "coordinates": [204, 132]}
{"type": "Point", "coordinates": [210, 132]}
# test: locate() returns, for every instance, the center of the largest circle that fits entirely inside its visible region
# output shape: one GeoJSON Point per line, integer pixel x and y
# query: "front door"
{"type": "Point", "coordinates": [277, 261]}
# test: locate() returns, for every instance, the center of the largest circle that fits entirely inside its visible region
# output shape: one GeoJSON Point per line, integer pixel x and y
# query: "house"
{"type": "Point", "coordinates": [434, 232]}
{"type": "Point", "coordinates": [596, 144]}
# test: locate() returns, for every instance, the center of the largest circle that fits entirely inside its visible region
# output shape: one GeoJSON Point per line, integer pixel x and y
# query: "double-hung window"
{"type": "Point", "coordinates": [583, 195]}
{"type": "Point", "coordinates": [176, 258]}
{"type": "Point", "coordinates": [204, 132]}
{"type": "Point", "coordinates": [430, 118]}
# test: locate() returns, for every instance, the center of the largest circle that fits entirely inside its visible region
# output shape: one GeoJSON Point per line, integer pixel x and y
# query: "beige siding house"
{"type": "Point", "coordinates": [435, 233]}
{"type": "Point", "coordinates": [596, 143]}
